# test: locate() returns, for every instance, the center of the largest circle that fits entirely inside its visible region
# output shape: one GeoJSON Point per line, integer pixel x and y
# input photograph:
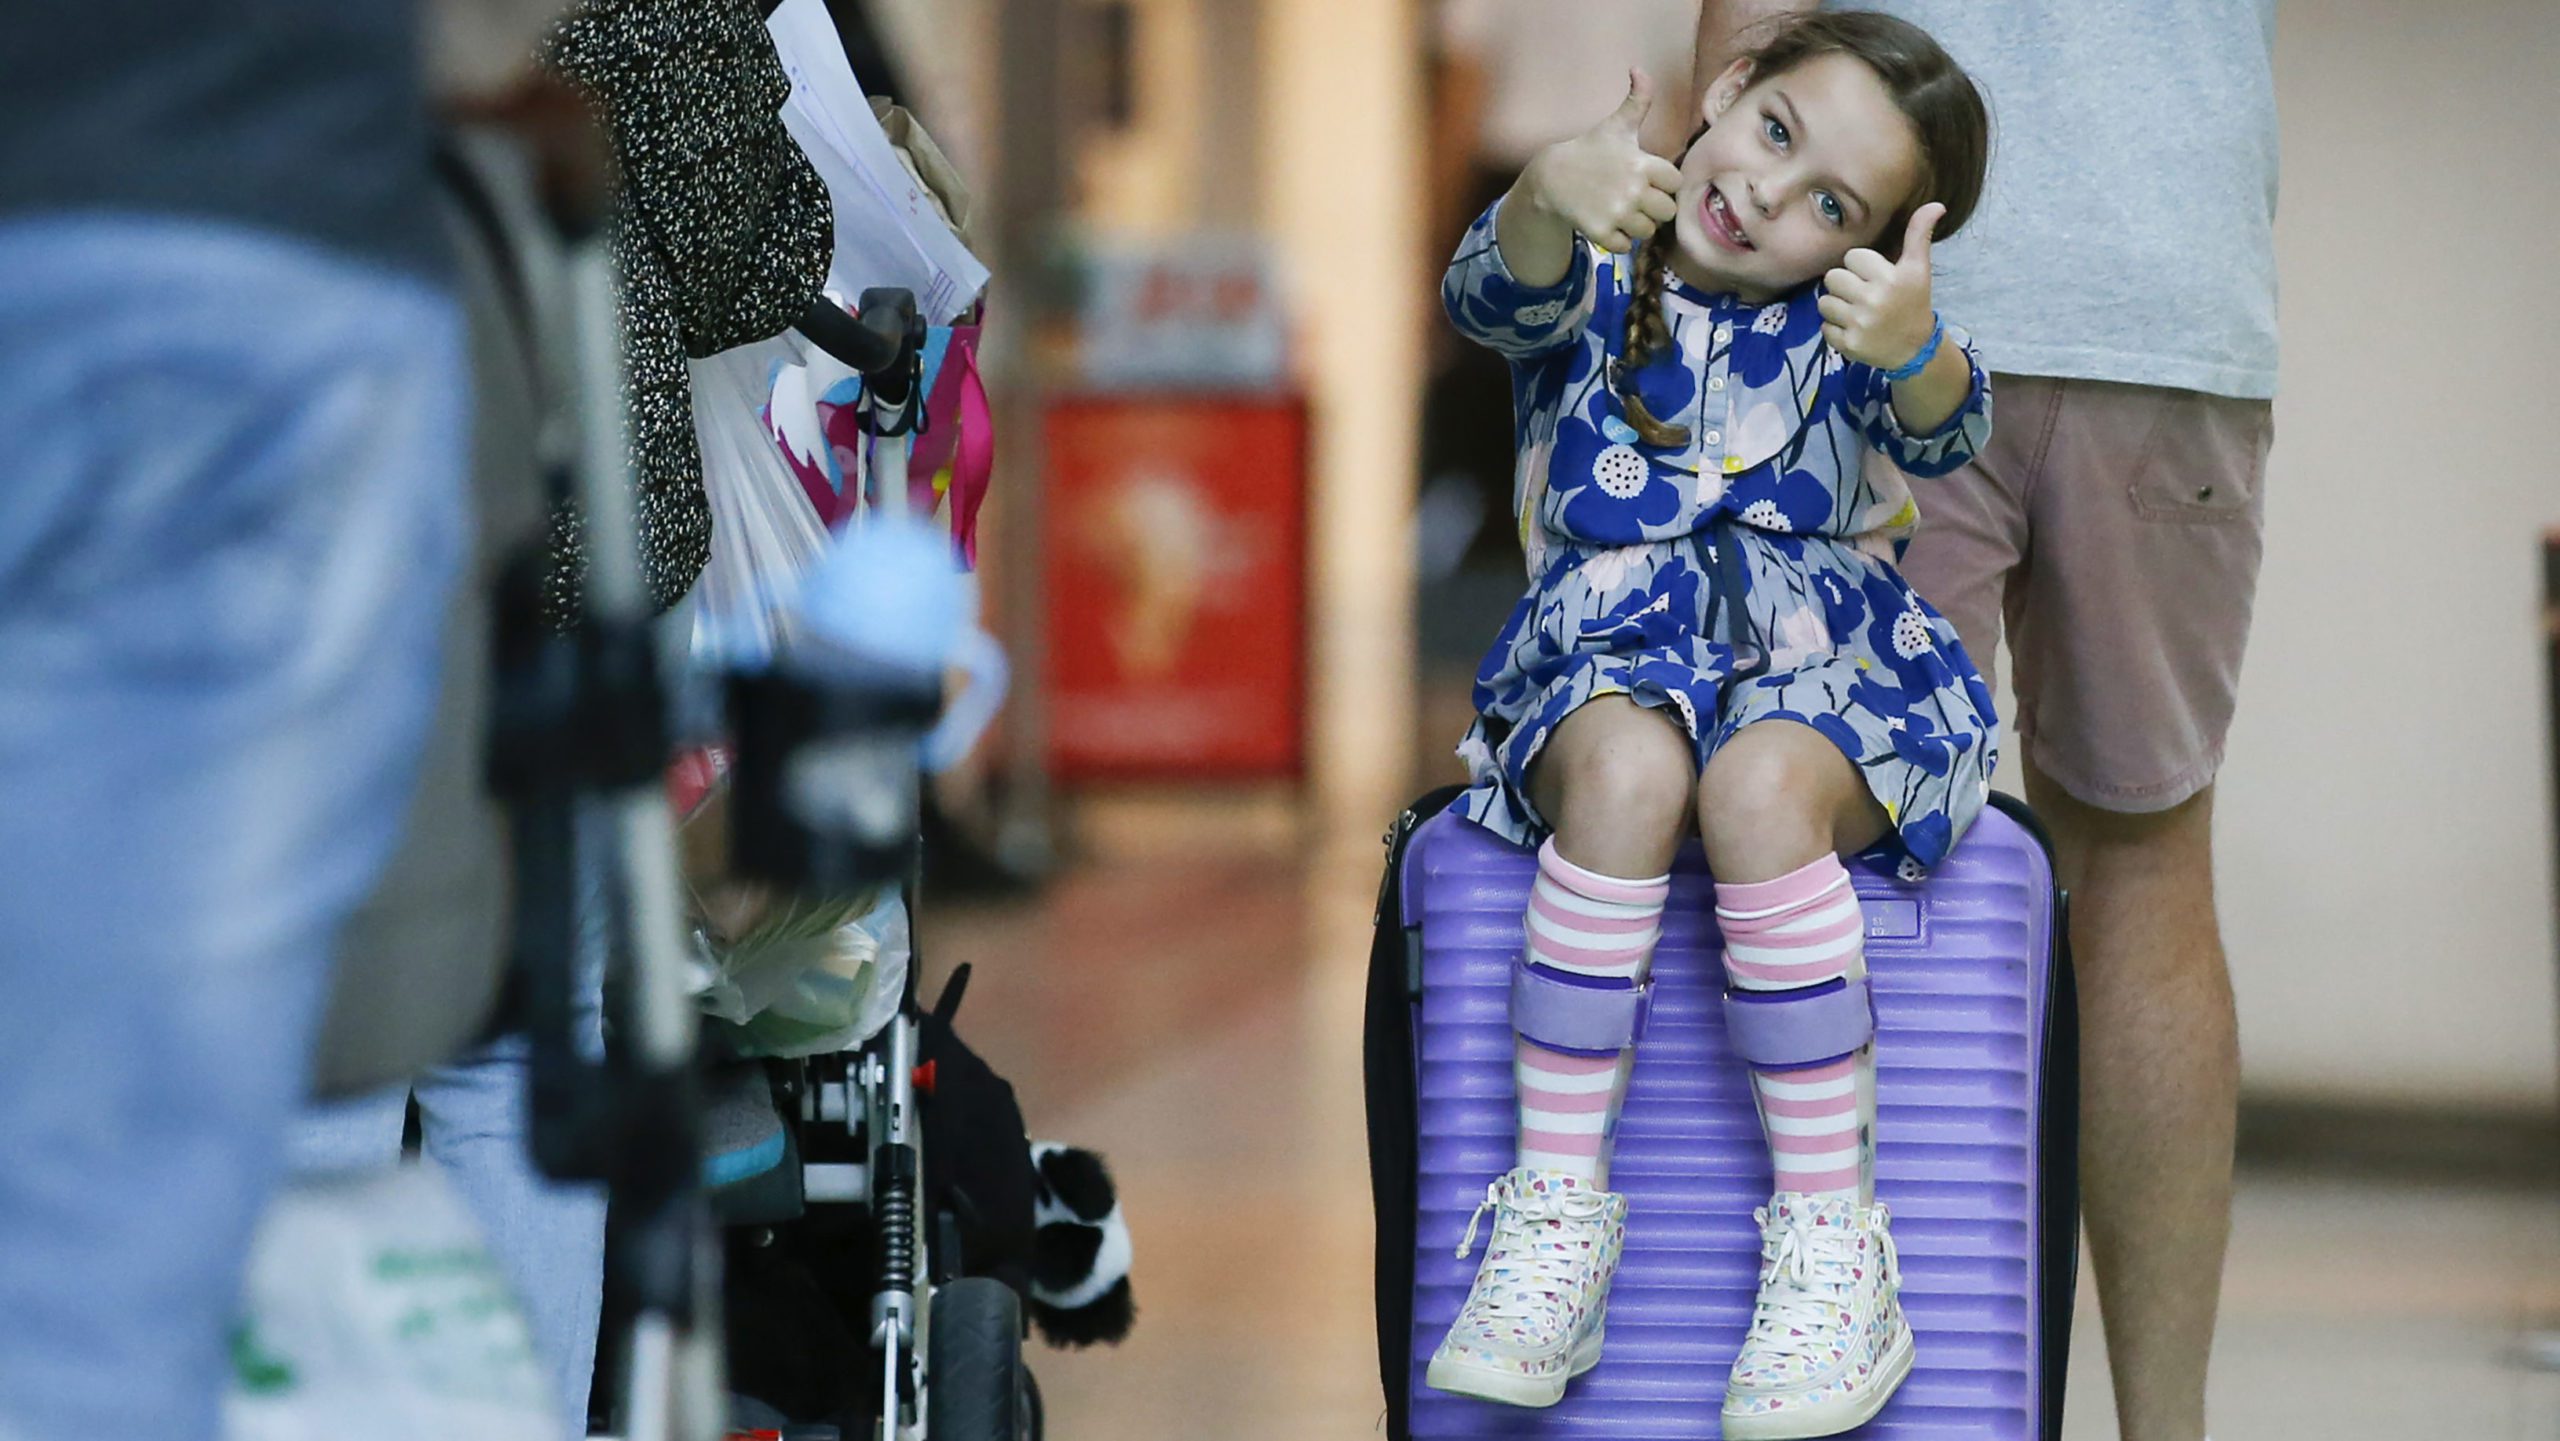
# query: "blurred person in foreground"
{"type": "Point", "coordinates": [2120, 279]}
{"type": "Point", "coordinates": [232, 375]}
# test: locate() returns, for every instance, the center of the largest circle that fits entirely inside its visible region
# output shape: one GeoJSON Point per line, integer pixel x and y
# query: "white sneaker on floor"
{"type": "Point", "coordinates": [1828, 1344]}
{"type": "Point", "coordinates": [1535, 1317]}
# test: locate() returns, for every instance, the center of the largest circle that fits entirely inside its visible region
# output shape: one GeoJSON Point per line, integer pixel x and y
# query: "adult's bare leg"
{"type": "Point", "coordinates": [2159, 1087]}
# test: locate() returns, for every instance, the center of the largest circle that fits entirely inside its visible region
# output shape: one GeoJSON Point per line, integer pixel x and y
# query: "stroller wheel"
{"type": "Point", "coordinates": [979, 1390]}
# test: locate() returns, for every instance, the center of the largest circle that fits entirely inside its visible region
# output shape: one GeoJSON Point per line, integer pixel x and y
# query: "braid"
{"type": "Point", "coordinates": [1647, 333]}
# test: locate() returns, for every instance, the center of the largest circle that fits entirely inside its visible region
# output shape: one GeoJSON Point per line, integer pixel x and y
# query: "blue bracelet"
{"type": "Point", "coordinates": [1928, 352]}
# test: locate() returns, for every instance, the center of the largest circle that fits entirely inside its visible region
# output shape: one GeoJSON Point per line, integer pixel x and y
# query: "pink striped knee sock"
{"type": "Point", "coordinates": [1803, 930]}
{"type": "Point", "coordinates": [1585, 924]}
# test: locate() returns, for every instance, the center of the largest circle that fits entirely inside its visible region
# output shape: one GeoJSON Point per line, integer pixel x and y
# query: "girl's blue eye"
{"type": "Point", "coordinates": [1829, 205]}
{"type": "Point", "coordinates": [1775, 129]}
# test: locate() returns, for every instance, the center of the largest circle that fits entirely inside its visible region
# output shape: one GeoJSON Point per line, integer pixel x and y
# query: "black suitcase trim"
{"type": "Point", "coordinates": [1394, 1107]}
{"type": "Point", "coordinates": [2057, 1138]}
{"type": "Point", "coordinates": [1395, 1122]}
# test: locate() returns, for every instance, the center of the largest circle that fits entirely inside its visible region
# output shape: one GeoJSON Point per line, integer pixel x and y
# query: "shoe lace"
{"type": "Point", "coordinates": [1808, 1273]}
{"type": "Point", "coordinates": [1540, 1270]}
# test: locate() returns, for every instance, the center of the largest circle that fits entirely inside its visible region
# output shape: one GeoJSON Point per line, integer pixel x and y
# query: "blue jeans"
{"type": "Point", "coordinates": [232, 509]}
{"type": "Point", "coordinates": [475, 1121]}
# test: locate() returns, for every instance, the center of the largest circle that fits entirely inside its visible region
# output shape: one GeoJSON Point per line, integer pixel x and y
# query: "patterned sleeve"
{"type": "Point", "coordinates": [1492, 308]}
{"type": "Point", "coordinates": [1941, 450]}
{"type": "Point", "coordinates": [711, 181]}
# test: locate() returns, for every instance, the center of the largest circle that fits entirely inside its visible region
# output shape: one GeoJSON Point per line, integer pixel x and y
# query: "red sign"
{"type": "Point", "coordinates": [1176, 545]}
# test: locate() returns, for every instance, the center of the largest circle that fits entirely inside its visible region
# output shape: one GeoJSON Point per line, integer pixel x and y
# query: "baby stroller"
{"type": "Point", "coordinates": [894, 1205]}
{"type": "Point", "coordinates": [891, 1230]}
{"type": "Point", "coordinates": [849, 1160]}
{"type": "Point", "coordinates": [847, 1247]}
{"type": "Point", "coordinates": [842, 1187]}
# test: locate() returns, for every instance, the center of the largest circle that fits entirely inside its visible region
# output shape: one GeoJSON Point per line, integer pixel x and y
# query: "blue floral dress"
{"type": "Point", "coordinates": [1745, 576]}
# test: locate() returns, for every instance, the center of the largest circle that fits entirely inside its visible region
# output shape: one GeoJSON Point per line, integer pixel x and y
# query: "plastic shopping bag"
{"type": "Point", "coordinates": [764, 530]}
{"type": "Point", "coordinates": [813, 979]}
{"type": "Point", "coordinates": [373, 1309]}
{"type": "Point", "coordinates": [955, 456]}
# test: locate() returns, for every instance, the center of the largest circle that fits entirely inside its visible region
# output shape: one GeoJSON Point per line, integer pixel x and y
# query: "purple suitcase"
{"type": "Point", "coordinates": [1976, 1093]}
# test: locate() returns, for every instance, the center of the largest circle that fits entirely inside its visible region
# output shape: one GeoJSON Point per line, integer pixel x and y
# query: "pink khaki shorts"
{"type": "Point", "coordinates": [2117, 530]}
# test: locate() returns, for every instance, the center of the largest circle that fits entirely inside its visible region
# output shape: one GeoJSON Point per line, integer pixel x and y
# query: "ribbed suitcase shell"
{"type": "Point", "coordinates": [1963, 975]}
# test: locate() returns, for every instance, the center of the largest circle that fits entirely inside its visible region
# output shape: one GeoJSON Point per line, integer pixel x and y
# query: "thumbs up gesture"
{"type": "Point", "coordinates": [1603, 182]}
{"type": "Point", "coordinates": [1877, 311]}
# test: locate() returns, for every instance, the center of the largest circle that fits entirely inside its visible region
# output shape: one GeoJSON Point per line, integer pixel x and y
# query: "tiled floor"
{"type": "Point", "coordinates": [1193, 1010]}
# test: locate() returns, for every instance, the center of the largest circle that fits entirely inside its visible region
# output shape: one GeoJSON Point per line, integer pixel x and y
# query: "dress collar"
{"type": "Point", "coordinates": [1725, 302]}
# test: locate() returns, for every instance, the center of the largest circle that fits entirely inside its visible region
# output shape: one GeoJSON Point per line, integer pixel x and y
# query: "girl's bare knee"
{"type": "Point", "coordinates": [1747, 782]}
{"type": "Point", "coordinates": [1625, 793]}
{"type": "Point", "coordinates": [1771, 797]}
{"type": "Point", "coordinates": [1637, 786]}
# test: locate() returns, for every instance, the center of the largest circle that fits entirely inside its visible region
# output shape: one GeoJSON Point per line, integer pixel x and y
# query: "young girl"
{"type": "Point", "coordinates": [1701, 356]}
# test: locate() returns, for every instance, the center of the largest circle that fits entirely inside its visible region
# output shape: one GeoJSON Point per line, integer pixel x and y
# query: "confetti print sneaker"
{"type": "Point", "coordinates": [1828, 1344]}
{"type": "Point", "coordinates": [1534, 1320]}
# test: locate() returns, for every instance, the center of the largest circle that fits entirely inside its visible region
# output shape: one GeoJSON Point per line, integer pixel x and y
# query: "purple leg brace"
{"type": "Point", "coordinates": [1579, 1015]}
{"type": "Point", "coordinates": [1779, 1029]}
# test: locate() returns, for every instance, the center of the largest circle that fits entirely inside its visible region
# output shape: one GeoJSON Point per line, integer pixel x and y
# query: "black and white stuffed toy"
{"type": "Point", "coordinates": [1043, 1218]}
{"type": "Point", "coordinates": [1080, 1255]}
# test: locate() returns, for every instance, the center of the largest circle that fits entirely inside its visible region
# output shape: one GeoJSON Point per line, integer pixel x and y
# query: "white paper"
{"type": "Point", "coordinates": [887, 230]}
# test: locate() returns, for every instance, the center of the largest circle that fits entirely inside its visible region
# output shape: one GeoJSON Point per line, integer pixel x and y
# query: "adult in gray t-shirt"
{"type": "Point", "coordinates": [2127, 231]}
{"type": "Point", "coordinates": [2119, 278]}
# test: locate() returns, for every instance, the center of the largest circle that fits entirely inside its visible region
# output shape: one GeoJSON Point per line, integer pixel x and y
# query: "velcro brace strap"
{"type": "Point", "coordinates": [1562, 1014]}
{"type": "Point", "coordinates": [1800, 1028]}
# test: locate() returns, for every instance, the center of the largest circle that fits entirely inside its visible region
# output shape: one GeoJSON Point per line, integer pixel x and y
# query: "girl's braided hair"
{"type": "Point", "coordinates": [1952, 126]}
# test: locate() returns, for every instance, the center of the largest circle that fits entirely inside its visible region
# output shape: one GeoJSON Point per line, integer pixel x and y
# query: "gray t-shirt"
{"type": "Point", "coordinates": [2128, 229]}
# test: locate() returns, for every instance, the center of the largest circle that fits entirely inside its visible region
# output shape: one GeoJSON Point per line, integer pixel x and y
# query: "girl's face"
{"type": "Point", "coordinates": [1794, 172]}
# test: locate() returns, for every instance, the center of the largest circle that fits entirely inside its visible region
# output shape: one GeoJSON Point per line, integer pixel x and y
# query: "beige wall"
{"type": "Point", "coordinates": [1304, 118]}
{"type": "Point", "coordinates": [1146, 180]}
{"type": "Point", "coordinates": [1341, 101]}
{"type": "Point", "coordinates": [945, 48]}
{"type": "Point", "coordinates": [2385, 825]}
{"type": "Point", "coordinates": [1301, 119]}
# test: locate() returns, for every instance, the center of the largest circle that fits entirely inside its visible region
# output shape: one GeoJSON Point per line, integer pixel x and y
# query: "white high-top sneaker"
{"type": "Point", "coordinates": [1535, 1317]}
{"type": "Point", "coordinates": [1828, 1344]}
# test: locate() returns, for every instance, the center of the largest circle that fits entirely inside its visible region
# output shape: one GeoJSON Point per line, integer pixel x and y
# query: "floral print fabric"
{"type": "Point", "coordinates": [1625, 542]}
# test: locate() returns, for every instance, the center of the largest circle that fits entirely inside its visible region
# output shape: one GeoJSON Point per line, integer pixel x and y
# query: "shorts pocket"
{"type": "Point", "coordinates": [2205, 460]}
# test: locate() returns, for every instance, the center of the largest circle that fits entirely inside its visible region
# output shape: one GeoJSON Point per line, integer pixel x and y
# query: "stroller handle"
{"type": "Point", "coordinates": [877, 342]}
